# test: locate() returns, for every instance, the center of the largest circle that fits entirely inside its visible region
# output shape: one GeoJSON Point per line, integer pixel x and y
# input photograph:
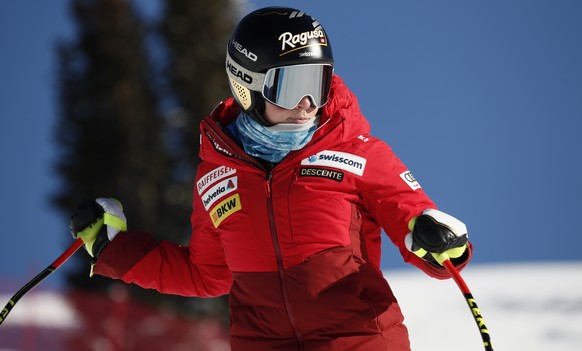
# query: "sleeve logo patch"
{"type": "Point", "coordinates": [224, 209]}
{"type": "Point", "coordinates": [410, 180]}
{"type": "Point", "coordinates": [209, 178]}
{"type": "Point", "coordinates": [337, 159]}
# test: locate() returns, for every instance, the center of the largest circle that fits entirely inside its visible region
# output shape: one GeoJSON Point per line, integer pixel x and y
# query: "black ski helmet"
{"type": "Point", "coordinates": [268, 38]}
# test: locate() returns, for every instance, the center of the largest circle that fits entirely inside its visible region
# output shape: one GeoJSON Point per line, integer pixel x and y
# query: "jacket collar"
{"type": "Point", "coordinates": [341, 120]}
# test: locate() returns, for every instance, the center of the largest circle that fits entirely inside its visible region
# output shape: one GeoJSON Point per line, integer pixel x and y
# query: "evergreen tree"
{"type": "Point", "coordinates": [195, 34]}
{"type": "Point", "coordinates": [128, 125]}
{"type": "Point", "coordinates": [109, 131]}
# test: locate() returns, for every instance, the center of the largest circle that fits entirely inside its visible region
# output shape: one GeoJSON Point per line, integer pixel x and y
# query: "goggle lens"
{"type": "Point", "coordinates": [286, 86]}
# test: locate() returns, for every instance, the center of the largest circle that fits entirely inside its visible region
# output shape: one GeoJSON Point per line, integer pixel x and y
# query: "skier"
{"type": "Point", "coordinates": [288, 206]}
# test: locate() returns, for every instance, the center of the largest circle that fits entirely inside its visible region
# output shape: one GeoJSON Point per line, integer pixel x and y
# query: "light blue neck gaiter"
{"type": "Point", "coordinates": [273, 143]}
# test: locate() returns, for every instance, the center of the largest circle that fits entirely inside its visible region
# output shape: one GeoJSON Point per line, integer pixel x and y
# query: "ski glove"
{"type": "Point", "coordinates": [97, 222]}
{"type": "Point", "coordinates": [436, 237]}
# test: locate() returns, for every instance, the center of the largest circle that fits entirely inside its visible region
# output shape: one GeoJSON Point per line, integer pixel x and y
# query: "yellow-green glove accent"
{"type": "Point", "coordinates": [436, 236]}
{"type": "Point", "coordinates": [89, 234]}
{"type": "Point", "coordinates": [97, 222]}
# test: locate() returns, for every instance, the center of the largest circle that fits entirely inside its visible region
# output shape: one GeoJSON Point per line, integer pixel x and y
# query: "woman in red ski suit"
{"type": "Point", "coordinates": [294, 241]}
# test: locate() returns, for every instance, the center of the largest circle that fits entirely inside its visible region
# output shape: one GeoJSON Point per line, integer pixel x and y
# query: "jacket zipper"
{"type": "Point", "coordinates": [279, 258]}
{"type": "Point", "coordinates": [273, 228]}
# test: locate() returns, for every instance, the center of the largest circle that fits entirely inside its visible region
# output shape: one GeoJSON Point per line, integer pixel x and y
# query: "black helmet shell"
{"type": "Point", "coordinates": [279, 36]}
{"type": "Point", "coordinates": [267, 38]}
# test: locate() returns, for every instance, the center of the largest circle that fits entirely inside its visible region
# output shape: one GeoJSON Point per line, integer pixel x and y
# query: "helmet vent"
{"type": "Point", "coordinates": [242, 94]}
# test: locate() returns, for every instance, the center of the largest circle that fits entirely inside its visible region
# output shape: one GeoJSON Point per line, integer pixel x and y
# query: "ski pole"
{"type": "Point", "coordinates": [40, 277]}
{"type": "Point", "coordinates": [471, 302]}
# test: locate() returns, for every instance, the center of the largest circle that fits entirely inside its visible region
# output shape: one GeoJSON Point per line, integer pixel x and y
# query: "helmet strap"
{"type": "Point", "coordinates": [257, 111]}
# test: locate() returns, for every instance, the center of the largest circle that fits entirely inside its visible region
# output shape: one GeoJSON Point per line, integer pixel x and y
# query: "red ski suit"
{"type": "Point", "coordinates": [296, 246]}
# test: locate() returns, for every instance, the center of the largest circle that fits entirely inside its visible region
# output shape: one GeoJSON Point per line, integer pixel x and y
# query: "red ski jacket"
{"type": "Point", "coordinates": [297, 245]}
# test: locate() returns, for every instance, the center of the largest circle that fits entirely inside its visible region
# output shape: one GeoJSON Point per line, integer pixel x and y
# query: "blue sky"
{"type": "Point", "coordinates": [481, 99]}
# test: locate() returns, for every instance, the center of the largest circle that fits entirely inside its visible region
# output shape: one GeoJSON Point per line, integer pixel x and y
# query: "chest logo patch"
{"type": "Point", "coordinates": [214, 175]}
{"type": "Point", "coordinates": [218, 191]}
{"type": "Point", "coordinates": [224, 209]}
{"type": "Point", "coordinates": [337, 159]}
{"type": "Point", "coordinates": [322, 173]}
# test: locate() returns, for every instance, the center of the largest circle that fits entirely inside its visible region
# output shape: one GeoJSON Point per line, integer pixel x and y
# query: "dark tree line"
{"type": "Point", "coordinates": [132, 92]}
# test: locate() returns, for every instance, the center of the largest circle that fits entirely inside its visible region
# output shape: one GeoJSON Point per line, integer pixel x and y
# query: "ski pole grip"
{"type": "Point", "coordinates": [441, 258]}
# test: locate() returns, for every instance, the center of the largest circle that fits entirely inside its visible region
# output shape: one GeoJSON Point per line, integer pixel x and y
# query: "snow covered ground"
{"type": "Point", "coordinates": [528, 306]}
{"type": "Point", "coordinates": [41, 309]}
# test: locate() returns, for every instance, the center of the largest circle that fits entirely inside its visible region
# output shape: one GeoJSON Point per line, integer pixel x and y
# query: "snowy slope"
{"type": "Point", "coordinates": [527, 307]}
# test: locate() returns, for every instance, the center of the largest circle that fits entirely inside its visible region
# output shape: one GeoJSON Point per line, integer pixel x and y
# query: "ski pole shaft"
{"type": "Point", "coordinates": [40, 277]}
{"type": "Point", "coordinates": [471, 303]}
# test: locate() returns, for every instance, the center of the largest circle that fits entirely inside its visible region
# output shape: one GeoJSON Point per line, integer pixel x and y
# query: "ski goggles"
{"type": "Point", "coordinates": [286, 86]}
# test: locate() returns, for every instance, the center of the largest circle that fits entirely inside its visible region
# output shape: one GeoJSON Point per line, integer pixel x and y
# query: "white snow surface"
{"type": "Point", "coordinates": [43, 309]}
{"type": "Point", "coordinates": [526, 306]}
